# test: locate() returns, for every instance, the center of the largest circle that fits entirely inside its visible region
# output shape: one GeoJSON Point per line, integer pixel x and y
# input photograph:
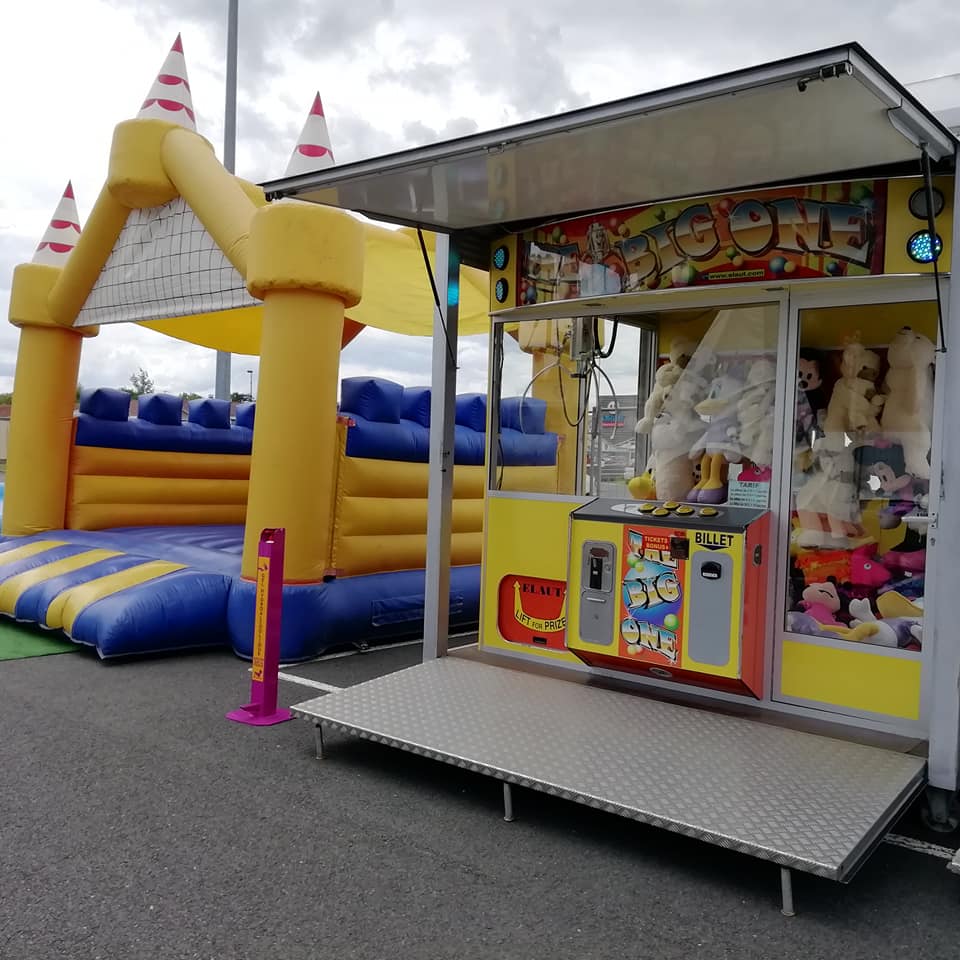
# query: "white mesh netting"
{"type": "Point", "coordinates": [164, 265]}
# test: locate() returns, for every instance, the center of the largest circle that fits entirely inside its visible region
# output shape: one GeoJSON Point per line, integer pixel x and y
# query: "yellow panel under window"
{"type": "Point", "coordinates": [852, 679]}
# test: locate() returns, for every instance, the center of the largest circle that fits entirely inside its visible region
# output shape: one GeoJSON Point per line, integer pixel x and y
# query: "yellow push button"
{"type": "Point", "coordinates": [671, 505]}
{"type": "Point", "coordinates": [646, 507]}
{"type": "Point", "coordinates": [661, 512]}
{"type": "Point", "coordinates": [709, 511]}
{"type": "Point", "coordinates": [684, 511]}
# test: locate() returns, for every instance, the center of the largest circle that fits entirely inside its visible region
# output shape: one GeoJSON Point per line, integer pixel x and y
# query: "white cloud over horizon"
{"type": "Point", "coordinates": [392, 75]}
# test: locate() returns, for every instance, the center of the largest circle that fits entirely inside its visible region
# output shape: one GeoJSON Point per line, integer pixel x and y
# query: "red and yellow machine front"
{"type": "Point", "coordinates": [673, 591]}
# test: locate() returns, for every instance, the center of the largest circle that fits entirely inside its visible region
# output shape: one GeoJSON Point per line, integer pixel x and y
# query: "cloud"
{"type": "Point", "coordinates": [392, 75]}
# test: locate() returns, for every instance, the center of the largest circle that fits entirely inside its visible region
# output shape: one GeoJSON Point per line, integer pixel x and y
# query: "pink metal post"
{"type": "Point", "coordinates": [262, 710]}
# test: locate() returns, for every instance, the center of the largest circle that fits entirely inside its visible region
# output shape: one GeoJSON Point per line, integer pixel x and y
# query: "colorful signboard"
{"type": "Point", "coordinates": [532, 610]}
{"type": "Point", "coordinates": [651, 602]}
{"type": "Point", "coordinates": [824, 230]}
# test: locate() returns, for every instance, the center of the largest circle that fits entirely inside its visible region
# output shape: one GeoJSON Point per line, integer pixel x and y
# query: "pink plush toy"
{"type": "Point", "coordinates": [822, 602]}
{"type": "Point", "coordinates": [866, 570]}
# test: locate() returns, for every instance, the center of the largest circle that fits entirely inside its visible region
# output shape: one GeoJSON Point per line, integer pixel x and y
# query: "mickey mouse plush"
{"type": "Point", "coordinates": [885, 474]}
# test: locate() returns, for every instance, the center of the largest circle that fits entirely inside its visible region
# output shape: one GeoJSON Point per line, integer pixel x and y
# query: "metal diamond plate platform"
{"type": "Point", "coordinates": [803, 801]}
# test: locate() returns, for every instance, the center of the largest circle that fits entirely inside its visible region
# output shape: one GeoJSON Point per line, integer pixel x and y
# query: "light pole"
{"type": "Point", "coordinates": [251, 383]}
{"type": "Point", "coordinates": [229, 160]}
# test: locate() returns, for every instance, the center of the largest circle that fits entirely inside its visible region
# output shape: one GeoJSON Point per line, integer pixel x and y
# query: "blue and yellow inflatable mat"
{"type": "Point", "coordinates": [147, 589]}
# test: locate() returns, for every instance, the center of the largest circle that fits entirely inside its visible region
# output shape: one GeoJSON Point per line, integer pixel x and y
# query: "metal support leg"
{"type": "Point", "coordinates": [939, 813]}
{"type": "Point", "coordinates": [318, 737]}
{"type": "Point", "coordinates": [786, 892]}
{"type": "Point", "coordinates": [507, 803]}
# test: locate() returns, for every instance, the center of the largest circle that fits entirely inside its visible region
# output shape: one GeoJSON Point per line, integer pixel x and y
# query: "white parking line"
{"type": "Point", "coordinates": [919, 846]}
{"type": "Point", "coordinates": [317, 685]}
{"type": "Point", "coordinates": [379, 648]}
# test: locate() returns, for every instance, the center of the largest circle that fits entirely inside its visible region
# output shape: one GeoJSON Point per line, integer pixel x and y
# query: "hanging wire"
{"type": "Point", "coordinates": [533, 379]}
{"type": "Point", "coordinates": [932, 228]}
{"type": "Point", "coordinates": [436, 298]}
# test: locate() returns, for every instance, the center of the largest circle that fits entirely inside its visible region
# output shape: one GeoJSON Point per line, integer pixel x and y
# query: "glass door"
{"type": "Point", "coordinates": [862, 478]}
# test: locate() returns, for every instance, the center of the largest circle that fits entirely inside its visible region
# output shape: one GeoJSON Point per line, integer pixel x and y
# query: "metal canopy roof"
{"type": "Point", "coordinates": [807, 117]}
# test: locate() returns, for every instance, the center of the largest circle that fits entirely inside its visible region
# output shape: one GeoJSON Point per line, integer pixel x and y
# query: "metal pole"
{"type": "Point", "coordinates": [436, 606]}
{"type": "Point", "coordinates": [229, 160]}
{"type": "Point", "coordinates": [507, 803]}
{"type": "Point", "coordinates": [943, 762]}
{"type": "Point", "coordinates": [786, 893]}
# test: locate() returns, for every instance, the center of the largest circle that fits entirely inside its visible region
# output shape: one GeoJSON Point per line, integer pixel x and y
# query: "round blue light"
{"type": "Point", "coordinates": [921, 249]}
{"type": "Point", "coordinates": [501, 257]}
{"type": "Point", "coordinates": [500, 290]}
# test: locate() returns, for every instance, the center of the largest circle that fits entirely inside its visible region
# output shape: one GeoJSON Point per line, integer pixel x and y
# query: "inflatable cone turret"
{"type": "Point", "coordinates": [61, 235]}
{"type": "Point", "coordinates": [169, 97]}
{"type": "Point", "coordinates": [313, 151]}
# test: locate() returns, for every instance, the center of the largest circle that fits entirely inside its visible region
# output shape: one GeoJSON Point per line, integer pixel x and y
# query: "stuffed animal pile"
{"type": "Point", "coordinates": [861, 470]}
{"type": "Point", "coordinates": [864, 458]}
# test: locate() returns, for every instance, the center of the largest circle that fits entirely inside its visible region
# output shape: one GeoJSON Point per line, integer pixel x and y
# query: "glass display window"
{"type": "Point", "coordinates": [670, 406]}
{"type": "Point", "coordinates": [860, 482]}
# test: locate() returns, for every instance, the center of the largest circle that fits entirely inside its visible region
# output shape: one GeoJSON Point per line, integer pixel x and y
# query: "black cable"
{"type": "Point", "coordinates": [932, 228]}
{"type": "Point", "coordinates": [563, 401]}
{"type": "Point", "coordinates": [613, 338]}
{"type": "Point", "coordinates": [436, 298]}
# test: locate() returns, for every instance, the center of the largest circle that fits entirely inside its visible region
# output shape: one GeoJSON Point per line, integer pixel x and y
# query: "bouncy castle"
{"type": "Point", "coordinates": [136, 530]}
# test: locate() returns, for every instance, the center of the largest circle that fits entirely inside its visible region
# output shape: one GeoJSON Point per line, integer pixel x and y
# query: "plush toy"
{"type": "Point", "coordinates": [813, 566]}
{"type": "Point", "coordinates": [822, 602]}
{"type": "Point", "coordinates": [800, 622]}
{"type": "Point", "coordinates": [867, 573]}
{"type": "Point", "coordinates": [719, 444]}
{"type": "Point", "coordinates": [855, 403]}
{"type": "Point", "coordinates": [908, 406]}
{"type": "Point", "coordinates": [755, 412]}
{"type": "Point", "coordinates": [901, 625]}
{"type": "Point", "coordinates": [643, 487]}
{"type": "Point", "coordinates": [674, 430]}
{"type": "Point", "coordinates": [827, 503]}
{"type": "Point", "coordinates": [666, 376]}
{"type": "Point", "coordinates": [885, 473]}
{"type": "Point", "coordinates": [810, 406]}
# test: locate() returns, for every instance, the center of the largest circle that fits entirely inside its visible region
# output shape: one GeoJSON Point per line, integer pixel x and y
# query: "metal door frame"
{"type": "Point", "coordinates": [907, 289]}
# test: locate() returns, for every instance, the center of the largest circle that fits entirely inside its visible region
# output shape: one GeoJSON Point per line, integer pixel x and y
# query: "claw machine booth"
{"type": "Point", "coordinates": [728, 308]}
{"type": "Point", "coordinates": [763, 530]}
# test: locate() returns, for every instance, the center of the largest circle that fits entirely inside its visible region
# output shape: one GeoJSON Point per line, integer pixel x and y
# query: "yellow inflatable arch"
{"type": "Point", "coordinates": [301, 265]}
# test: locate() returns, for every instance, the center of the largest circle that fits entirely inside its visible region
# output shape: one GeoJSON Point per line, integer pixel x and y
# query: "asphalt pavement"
{"type": "Point", "coordinates": [137, 822]}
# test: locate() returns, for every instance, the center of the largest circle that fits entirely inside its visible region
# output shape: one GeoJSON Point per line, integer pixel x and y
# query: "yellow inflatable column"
{"type": "Point", "coordinates": [306, 263]}
{"type": "Point", "coordinates": [41, 423]}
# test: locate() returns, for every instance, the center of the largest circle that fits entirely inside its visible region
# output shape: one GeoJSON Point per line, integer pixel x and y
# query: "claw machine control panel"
{"type": "Point", "coordinates": [674, 591]}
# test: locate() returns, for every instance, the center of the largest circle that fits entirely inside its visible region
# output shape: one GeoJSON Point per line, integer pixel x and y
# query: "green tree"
{"type": "Point", "coordinates": [189, 396]}
{"type": "Point", "coordinates": [140, 383]}
{"type": "Point", "coordinates": [240, 397]}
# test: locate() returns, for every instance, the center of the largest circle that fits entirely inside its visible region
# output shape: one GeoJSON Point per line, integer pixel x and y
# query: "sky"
{"type": "Point", "coordinates": [392, 74]}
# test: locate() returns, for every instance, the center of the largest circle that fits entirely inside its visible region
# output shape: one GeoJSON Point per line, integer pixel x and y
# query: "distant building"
{"type": "Point", "coordinates": [4, 429]}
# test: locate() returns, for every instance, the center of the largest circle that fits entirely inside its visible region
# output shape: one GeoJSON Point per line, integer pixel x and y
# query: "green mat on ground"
{"type": "Point", "coordinates": [19, 641]}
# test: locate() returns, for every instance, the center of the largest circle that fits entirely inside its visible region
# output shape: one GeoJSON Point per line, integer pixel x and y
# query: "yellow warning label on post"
{"type": "Point", "coordinates": [260, 623]}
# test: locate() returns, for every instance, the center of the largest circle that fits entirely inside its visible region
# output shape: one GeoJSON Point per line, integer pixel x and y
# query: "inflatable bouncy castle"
{"type": "Point", "coordinates": [150, 557]}
{"type": "Point", "coordinates": [136, 530]}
